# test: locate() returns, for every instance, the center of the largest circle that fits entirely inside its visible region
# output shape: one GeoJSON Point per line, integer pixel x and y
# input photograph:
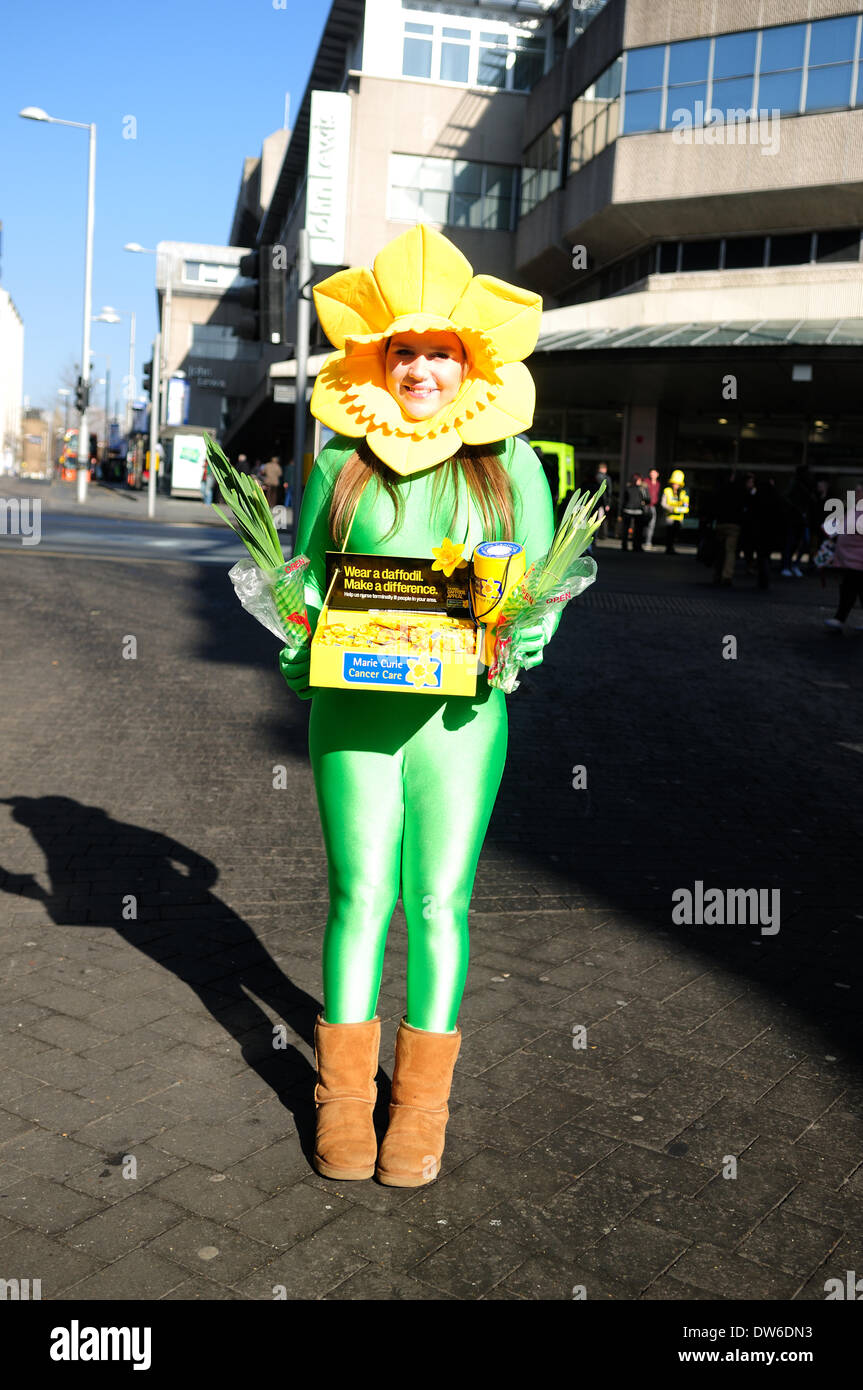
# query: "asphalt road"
{"type": "Point", "coordinates": [181, 777]}
{"type": "Point", "coordinates": [63, 533]}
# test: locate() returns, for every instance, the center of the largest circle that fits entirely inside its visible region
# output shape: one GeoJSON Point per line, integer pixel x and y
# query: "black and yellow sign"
{"type": "Point", "coordinates": [395, 581]}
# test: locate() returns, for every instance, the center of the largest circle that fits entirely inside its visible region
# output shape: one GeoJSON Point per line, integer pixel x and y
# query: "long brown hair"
{"type": "Point", "coordinates": [479, 465]}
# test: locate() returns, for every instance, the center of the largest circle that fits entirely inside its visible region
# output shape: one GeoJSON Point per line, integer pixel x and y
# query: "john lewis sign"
{"type": "Point", "coordinates": [327, 189]}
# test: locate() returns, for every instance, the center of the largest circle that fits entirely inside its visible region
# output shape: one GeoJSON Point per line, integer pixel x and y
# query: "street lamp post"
{"type": "Point", "coordinates": [65, 393]}
{"type": "Point", "coordinates": [35, 113]}
{"type": "Point", "coordinates": [108, 314]}
{"type": "Point", "coordinates": [159, 405]}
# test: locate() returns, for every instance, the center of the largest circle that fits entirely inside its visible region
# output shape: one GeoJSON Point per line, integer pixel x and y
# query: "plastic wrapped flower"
{"type": "Point", "coordinates": [421, 283]}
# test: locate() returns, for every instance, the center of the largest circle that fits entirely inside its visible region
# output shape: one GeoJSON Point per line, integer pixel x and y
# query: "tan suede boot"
{"type": "Point", "coordinates": [413, 1146]}
{"type": "Point", "coordinates": [346, 1055]}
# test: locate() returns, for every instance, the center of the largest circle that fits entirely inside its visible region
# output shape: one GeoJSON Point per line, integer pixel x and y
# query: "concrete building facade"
{"type": "Point", "coordinates": [683, 184]}
{"type": "Point", "coordinates": [209, 367]}
{"type": "Point", "coordinates": [11, 382]}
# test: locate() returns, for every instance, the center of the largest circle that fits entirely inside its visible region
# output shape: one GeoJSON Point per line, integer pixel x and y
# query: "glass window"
{"type": "Point", "coordinates": [529, 62]}
{"type": "Point", "coordinates": [838, 246]}
{"type": "Point", "coordinates": [467, 177]}
{"type": "Point", "coordinates": [417, 54]}
{"type": "Point", "coordinates": [642, 111]}
{"type": "Point", "coordinates": [732, 94]}
{"type": "Point", "coordinates": [595, 117]}
{"type": "Point", "coordinates": [499, 180]}
{"type": "Point", "coordinates": [734, 55]}
{"type": "Point", "coordinates": [211, 340]}
{"type": "Point", "coordinates": [684, 99]}
{"type": "Point", "coordinates": [782, 48]}
{"type": "Point", "coordinates": [793, 249]}
{"type": "Point", "coordinates": [491, 71]}
{"type": "Point", "coordinates": [700, 255]}
{"type": "Point", "coordinates": [741, 252]}
{"type": "Point", "coordinates": [541, 172]}
{"type": "Point", "coordinates": [192, 270]}
{"type": "Point", "coordinates": [451, 192]}
{"type": "Point", "coordinates": [667, 257]}
{"type": "Point", "coordinates": [607, 85]}
{"type": "Point", "coordinates": [832, 40]}
{"type": "Point", "coordinates": [644, 67]}
{"type": "Point", "coordinates": [687, 62]}
{"type": "Point", "coordinates": [434, 173]}
{"type": "Point", "coordinates": [780, 91]}
{"type": "Point", "coordinates": [454, 59]}
{"type": "Point", "coordinates": [827, 87]}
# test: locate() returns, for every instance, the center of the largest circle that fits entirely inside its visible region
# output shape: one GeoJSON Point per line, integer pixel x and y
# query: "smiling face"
{"type": "Point", "coordinates": [425, 371]}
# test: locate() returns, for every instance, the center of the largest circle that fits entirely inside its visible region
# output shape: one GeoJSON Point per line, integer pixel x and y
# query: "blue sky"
{"type": "Point", "coordinates": [205, 81]}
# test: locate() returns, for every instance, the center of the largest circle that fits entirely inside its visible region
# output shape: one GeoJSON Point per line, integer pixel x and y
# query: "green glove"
{"type": "Point", "coordinates": [528, 642]}
{"type": "Point", "coordinates": [294, 666]}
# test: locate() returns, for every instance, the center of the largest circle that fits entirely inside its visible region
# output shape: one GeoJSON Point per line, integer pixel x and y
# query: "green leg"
{"type": "Point", "coordinates": [452, 776]}
{"type": "Point", "coordinates": [360, 799]}
{"type": "Point", "coordinates": [406, 786]}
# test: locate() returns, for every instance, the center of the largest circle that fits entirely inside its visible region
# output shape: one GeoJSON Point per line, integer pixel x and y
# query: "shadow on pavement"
{"type": "Point", "coordinates": [736, 773]}
{"type": "Point", "coordinates": [183, 926]}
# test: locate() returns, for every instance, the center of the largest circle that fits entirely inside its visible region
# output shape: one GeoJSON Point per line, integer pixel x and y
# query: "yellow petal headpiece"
{"type": "Point", "coordinates": [422, 283]}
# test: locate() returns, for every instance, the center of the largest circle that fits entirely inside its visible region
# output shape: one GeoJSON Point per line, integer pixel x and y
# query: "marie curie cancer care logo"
{"type": "Point", "coordinates": [711, 126]}
{"type": "Point", "coordinates": [21, 516]}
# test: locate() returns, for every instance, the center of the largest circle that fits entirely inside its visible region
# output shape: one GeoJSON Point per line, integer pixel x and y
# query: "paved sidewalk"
{"type": "Point", "coordinates": [705, 1142]}
{"type": "Point", "coordinates": [110, 500]}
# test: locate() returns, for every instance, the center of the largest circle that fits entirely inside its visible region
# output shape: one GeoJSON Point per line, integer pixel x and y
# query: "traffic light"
{"type": "Point", "coordinates": [148, 379]}
{"type": "Point", "coordinates": [82, 395]}
{"type": "Point", "coordinates": [266, 320]}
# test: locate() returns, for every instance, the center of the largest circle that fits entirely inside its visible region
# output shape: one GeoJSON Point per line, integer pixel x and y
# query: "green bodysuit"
{"type": "Point", "coordinates": [406, 782]}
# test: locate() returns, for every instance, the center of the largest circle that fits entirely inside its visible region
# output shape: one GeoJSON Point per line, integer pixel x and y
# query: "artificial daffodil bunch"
{"type": "Point", "coordinates": [548, 586]}
{"type": "Point", "coordinates": [268, 586]}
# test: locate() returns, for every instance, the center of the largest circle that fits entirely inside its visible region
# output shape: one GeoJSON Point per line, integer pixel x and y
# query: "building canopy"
{"type": "Point", "coordinates": [733, 333]}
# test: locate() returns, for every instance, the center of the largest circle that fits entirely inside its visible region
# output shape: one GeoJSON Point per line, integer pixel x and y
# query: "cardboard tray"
{"type": "Point", "coordinates": [401, 595]}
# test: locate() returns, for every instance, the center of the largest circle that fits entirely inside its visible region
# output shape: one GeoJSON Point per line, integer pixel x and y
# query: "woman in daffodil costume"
{"type": "Point", "coordinates": [426, 392]}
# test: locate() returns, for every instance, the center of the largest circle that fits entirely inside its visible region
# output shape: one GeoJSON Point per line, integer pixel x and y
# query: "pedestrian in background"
{"type": "Point", "coordinates": [729, 506]}
{"type": "Point", "coordinates": [606, 501]}
{"type": "Point", "coordinates": [747, 537]}
{"type": "Point", "coordinates": [817, 517]}
{"type": "Point", "coordinates": [208, 483]}
{"type": "Point", "coordinates": [675, 505]}
{"type": "Point", "coordinates": [271, 478]}
{"type": "Point", "coordinates": [798, 501]}
{"type": "Point", "coordinates": [764, 523]}
{"type": "Point", "coordinates": [654, 489]}
{"type": "Point", "coordinates": [633, 512]}
{"type": "Point", "coordinates": [847, 558]}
